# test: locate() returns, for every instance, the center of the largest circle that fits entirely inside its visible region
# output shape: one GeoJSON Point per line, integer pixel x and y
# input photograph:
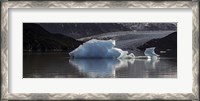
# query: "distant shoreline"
{"type": "Point", "coordinates": [65, 53]}
{"type": "Point", "coordinates": [49, 52]}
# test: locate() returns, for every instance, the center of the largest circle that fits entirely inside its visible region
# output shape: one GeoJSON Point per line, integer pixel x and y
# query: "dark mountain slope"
{"type": "Point", "coordinates": [165, 47]}
{"type": "Point", "coordinates": [37, 39]}
{"type": "Point", "coordinates": [78, 30]}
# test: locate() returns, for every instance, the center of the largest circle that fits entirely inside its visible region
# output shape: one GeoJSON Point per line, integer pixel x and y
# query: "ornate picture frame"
{"type": "Point", "coordinates": [6, 5]}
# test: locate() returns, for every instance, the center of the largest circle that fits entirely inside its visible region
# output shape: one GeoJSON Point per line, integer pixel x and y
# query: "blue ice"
{"type": "Point", "coordinates": [99, 49]}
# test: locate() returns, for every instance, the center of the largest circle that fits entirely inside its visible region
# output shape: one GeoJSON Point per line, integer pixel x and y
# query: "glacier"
{"type": "Point", "coordinates": [99, 49]}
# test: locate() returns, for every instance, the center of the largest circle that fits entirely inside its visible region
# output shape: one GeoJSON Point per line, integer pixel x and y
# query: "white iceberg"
{"type": "Point", "coordinates": [99, 49]}
{"type": "Point", "coordinates": [150, 53]}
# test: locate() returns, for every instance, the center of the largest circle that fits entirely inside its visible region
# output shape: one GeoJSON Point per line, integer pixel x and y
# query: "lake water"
{"type": "Point", "coordinates": [61, 66]}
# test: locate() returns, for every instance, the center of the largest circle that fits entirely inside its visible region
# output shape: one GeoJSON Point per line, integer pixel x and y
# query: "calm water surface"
{"type": "Point", "coordinates": [61, 66]}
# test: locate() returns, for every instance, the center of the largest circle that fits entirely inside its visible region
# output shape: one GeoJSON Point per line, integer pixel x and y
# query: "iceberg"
{"type": "Point", "coordinates": [150, 53]}
{"type": "Point", "coordinates": [99, 49]}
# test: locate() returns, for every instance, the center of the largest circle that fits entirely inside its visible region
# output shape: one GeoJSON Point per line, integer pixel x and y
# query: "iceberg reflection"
{"type": "Point", "coordinates": [151, 63]}
{"type": "Point", "coordinates": [99, 67]}
{"type": "Point", "coordinates": [58, 66]}
{"type": "Point", "coordinates": [118, 68]}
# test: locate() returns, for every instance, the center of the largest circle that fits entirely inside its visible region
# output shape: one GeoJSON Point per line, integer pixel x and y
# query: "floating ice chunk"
{"type": "Point", "coordinates": [99, 49]}
{"type": "Point", "coordinates": [150, 53]}
{"type": "Point", "coordinates": [130, 56]}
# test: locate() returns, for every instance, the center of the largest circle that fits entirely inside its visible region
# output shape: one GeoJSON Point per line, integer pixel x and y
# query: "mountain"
{"type": "Point", "coordinates": [79, 30]}
{"type": "Point", "coordinates": [151, 26]}
{"type": "Point", "coordinates": [37, 39]}
{"type": "Point", "coordinates": [165, 47]}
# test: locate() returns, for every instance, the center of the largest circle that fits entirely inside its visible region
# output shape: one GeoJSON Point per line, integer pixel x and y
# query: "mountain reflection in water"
{"type": "Point", "coordinates": [59, 66]}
